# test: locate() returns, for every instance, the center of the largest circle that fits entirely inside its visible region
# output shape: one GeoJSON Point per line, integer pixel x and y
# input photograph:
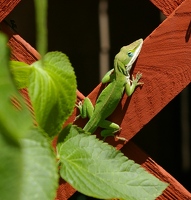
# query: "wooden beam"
{"type": "Point", "coordinates": [166, 6]}
{"type": "Point", "coordinates": [174, 191]}
{"type": "Point", "coordinates": [165, 63]}
{"type": "Point", "coordinates": [6, 7]}
{"type": "Point", "coordinates": [20, 49]}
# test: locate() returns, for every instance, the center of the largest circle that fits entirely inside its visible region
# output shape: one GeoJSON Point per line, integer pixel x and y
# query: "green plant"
{"type": "Point", "coordinates": [30, 165]}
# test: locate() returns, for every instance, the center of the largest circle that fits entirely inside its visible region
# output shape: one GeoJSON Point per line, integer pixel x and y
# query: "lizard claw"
{"type": "Point", "coordinates": [121, 138]}
{"type": "Point", "coordinates": [136, 79]}
{"type": "Point", "coordinates": [79, 106]}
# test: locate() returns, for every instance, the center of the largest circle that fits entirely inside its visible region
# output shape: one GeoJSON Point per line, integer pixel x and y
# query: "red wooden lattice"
{"type": "Point", "coordinates": [166, 72]}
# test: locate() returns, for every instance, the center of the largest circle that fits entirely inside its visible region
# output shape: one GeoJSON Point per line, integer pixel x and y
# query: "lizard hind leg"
{"type": "Point", "coordinates": [110, 128]}
{"type": "Point", "coordinates": [86, 108]}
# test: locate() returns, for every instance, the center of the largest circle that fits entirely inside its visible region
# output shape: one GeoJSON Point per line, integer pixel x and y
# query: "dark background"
{"type": "Point", "coordinates": [73, 28]}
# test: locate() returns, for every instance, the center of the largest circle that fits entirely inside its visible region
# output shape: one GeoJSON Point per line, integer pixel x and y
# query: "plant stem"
{"type": "Point", "coordinates": [41, 26]}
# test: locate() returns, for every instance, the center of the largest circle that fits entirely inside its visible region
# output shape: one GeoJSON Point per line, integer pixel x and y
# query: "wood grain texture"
{"type": "Point", "coordinates": [6, 7]}
{"type": "Point", "coordinates": [174, 191]}
{"type": "Point", "coordinates": [20, 49]}
{"type": "Point", "coordinates": [166, 6]}
{"type": "Point", "coordinates": [165, 63]}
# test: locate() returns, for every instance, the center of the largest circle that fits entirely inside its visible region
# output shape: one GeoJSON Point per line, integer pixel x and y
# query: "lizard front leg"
{"type": "Point", "coordinates": [132, 84]}
{"type": "Point", "coordinates": [110, 128]}
{"type": "Point", "coordinates": [108, 76]}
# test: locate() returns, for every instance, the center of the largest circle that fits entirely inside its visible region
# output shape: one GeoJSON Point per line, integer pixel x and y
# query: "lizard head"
{"type": "Point", "coordinates": [128, 54]}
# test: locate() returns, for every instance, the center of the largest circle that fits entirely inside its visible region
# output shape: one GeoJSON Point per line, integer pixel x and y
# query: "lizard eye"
{"type": "Point", "coordinates": [130, 54]}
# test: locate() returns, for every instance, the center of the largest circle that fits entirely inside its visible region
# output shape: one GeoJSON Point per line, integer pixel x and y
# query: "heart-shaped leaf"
{"type": "Point", "coordinates": [21, 72]}
{"type": "Point", "coordinates": [52, 89]}
{"type": "Point", "coordinates": [99, 170]}
{"type": "Point", "coordinates": [10, 117]}
{"type": "Point", "coordinates": [14, 124]}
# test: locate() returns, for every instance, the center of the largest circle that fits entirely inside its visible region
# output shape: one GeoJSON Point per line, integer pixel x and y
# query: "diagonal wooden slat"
{"type": "Point", "coordinates": [6, 7]}
{"type": "Point", "coordinates": [165, 64]}
{"type": "Point", "coordinates": [20, 49]}
{"type": "Point", "coordinates": [167, 6]}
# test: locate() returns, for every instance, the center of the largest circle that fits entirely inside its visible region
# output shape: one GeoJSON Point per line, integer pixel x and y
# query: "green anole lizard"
{"type": "Point", "coordinates": [119, 79]}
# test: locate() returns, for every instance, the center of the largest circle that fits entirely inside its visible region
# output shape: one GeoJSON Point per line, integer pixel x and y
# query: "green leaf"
{"type": "Point", "coordinates": [99, 170]}
{"type": "Point", "coordinates": [14, 123]}
{"type": "Point", "coordinates": [40, 179]}
{"type": "Point", "coordinates": [52, 89]}
{"type": "Point", "coordinates": [21, 72]}
{"type": "Point", "coordinates": [10, 117]}
{"type": "Point", "coordinates": [10, 168]}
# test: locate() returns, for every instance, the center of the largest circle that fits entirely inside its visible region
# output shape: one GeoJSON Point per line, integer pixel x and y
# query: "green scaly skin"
{"type": "Point", "coordinates": [109, 98]}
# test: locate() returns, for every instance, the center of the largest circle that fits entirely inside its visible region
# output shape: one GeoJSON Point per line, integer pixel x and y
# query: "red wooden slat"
{"type": "Point", "coordinates": [174, 191]}
{"type": "Point", "coordinates": [166, 6]}
{"type": "Point", "coordinates": [20, 49]}
{"type": "Point", "coordinates": [165, 63]}
{"type": "Point", "coordinates": [6, 6]}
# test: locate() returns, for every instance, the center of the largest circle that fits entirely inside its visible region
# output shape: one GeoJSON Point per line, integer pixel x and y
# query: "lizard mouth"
{"type": "Point", "coordinates": [136, 51]}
